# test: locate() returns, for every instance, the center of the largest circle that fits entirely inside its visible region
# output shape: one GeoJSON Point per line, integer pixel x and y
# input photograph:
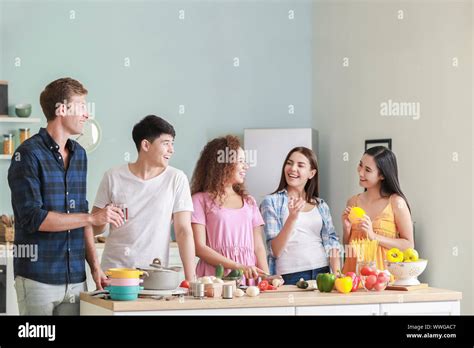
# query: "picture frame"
{"type": "Point", "coordinates": [378, 142]}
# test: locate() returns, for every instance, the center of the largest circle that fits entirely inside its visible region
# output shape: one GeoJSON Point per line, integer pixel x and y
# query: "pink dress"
{"type": "Point", "coordinates": [228, 231]}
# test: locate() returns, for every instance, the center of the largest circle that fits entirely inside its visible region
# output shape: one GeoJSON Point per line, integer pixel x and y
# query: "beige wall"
{"type": "Point", "coordinates": [405, 60]}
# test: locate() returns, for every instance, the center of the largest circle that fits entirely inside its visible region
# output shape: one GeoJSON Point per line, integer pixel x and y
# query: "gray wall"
{"type": "Point", "coordinates": [402, 60]}
{"type": "Point", "coordinates": [172, 62]}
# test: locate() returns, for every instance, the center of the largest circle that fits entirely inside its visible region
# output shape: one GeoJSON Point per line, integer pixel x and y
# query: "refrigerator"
{"type": "Point", "coordinates": [266, 149]}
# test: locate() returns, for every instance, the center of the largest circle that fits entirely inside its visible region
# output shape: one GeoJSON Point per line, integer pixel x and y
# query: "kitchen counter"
{"type": "Point", "coordinates": [288, 301]}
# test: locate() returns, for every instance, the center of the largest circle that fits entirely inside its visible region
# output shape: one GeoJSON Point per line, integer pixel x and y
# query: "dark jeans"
{"type": "Point", "coordinates": [292, 278]}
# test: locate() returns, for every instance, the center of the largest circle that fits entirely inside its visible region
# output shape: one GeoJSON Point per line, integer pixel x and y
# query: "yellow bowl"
{"type": "Point", "coordinates": [123, 273]}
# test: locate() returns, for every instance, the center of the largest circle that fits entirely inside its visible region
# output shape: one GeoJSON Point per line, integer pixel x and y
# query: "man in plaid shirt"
{"type": "Point", "coordinates": [47, 178]}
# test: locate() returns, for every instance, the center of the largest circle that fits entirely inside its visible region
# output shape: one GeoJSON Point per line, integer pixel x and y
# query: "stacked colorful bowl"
{"type": "Point", "coordinates": [124, 283]}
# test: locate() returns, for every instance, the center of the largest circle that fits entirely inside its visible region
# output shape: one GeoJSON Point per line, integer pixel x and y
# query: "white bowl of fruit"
{"type": "Point", "coordinates": [405, 266]}
{"type": "Point", "coordinates": [373, 279]}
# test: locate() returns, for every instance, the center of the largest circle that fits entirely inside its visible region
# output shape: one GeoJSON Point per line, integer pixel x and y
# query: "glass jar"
{"type": "Point", "coordinates": [8, 144]}
{"type": "Point", "coordinates": [361, 264]}
{"type": "Point", "coordinates": [24, 134]}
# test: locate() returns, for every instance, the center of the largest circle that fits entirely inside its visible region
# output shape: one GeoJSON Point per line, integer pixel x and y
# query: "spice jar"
{"type": "Point", "coordinates": [24, 134]}
{"type": "Point", "coordinates": [8, 144]}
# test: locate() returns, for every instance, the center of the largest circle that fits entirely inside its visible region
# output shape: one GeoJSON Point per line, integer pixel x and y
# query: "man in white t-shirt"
{"type": "Point", "coordinates": [155, 194]}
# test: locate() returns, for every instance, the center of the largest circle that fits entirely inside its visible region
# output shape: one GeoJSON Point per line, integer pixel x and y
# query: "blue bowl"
{"type": "Point", "coordinates": [124, 297]}
{"type": "Point", "coordinates": [123, 293]}
{"type": "Point", "coordinates": [123, 290]}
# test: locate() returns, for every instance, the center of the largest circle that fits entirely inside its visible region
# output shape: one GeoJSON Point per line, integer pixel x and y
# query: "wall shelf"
{"type": "Point", "coordinates": [9, 119]}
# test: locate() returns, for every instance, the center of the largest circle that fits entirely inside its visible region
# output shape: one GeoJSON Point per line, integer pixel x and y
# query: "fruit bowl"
{"type": "Point", "coordinates": [406, 273]}
{"type": "Point", "coordinates": [375, 282]}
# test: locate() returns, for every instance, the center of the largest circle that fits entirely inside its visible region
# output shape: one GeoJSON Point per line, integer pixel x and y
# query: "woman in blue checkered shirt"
{"type": "Point", "coordinates": [301, 238]}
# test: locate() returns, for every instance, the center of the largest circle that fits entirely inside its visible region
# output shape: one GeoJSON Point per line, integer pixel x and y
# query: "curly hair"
{"type": "Point", "coordinates": [211, 174]}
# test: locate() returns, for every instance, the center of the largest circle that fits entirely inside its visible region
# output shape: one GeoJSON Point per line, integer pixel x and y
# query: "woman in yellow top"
{"type": "Point", "coordinates": [388, 217]}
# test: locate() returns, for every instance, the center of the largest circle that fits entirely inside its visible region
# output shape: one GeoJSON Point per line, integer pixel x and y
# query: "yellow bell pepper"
{"type": "Point", "coordinates": [343, 283]}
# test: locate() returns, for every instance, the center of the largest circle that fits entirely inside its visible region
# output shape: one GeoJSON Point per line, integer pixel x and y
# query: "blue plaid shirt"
{"type": "Point", "coordinates": [274, 209]}
{"type": "Point", "coordinates": [39, 183]}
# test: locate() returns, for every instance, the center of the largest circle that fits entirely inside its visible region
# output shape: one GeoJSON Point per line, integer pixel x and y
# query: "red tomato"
{"type": "Point", "coordinates": [184, 284]}
{"type": "Point", "coordinates": [370, 281]}
{"type": "Point", "coordinates": [379, 286]}
{"type": "Point", "coordinates": [383, 278]}
{"type": "Point", "coordinates": [271, 287]}
{"type": "Point", "coordinates": [366, 271]}
{"type": "Point", "coordinates": [263, 285]}
{"type": "Point", "coordinates": [351, 274]}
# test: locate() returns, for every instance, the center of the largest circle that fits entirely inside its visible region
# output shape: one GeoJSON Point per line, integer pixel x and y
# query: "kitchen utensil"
{"type": "Point", "coordinates": [125, 281]}
{"type": "Point", "coordinates": [175, 292]}
{"type": "Point", "coordinates": [228, 291]}
{"type": "Point", "coordinates": [158, 277]}
{"type": "Point", "coordinates": [123, 289]}
{"type": "Point", "coordinates": [406, 273]}
{"type": "Point", "coordinates": [23, 110]}
{"type": "Point", "coordinates": [124, 293]}
{"type": "Point", "coordinates": [124, 273]}
{"type": "Point", "coordinates": [407, 287]}
{"type": "Point", "coordinates": [213, 290]}
{"type": "Point", "coordinates": [197, 289]}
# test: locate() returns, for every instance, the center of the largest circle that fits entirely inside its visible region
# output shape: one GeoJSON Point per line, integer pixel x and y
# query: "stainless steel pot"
{"type": "Point", "coordinates": [158, 277]}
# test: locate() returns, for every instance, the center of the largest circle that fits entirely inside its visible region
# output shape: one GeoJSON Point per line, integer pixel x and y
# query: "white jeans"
{"type": "Point", "coordinates": [35, 298]}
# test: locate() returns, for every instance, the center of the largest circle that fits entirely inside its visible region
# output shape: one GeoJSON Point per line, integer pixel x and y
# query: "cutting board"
{"type": "Point", "coordinates": [407, 287]}
{"type": "Point", "coordinates": [291, 288]}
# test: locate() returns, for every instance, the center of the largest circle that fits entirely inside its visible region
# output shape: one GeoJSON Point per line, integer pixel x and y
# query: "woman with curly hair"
{"type": "Point", "coordinates": [226, 222]}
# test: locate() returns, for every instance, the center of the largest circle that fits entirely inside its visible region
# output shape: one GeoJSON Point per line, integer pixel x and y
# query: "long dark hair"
{"type": "Point", "coordinates": [312, 186]}
{"type": "Point", "coordinates": [387, 165]}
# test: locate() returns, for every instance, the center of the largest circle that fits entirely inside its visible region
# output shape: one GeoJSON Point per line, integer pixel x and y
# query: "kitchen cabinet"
{"type": "Point", "coordinates": [421, 308]}
{"type": "Point", "coordinates": [367, 309]}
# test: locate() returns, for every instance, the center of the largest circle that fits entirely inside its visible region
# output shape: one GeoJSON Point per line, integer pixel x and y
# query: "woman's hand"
{"type": "Point", "coordinates": [346, 223]}
{"type": "Point", "coordinates": [295, 205]}
{"type": "Point", "coordinates": [365, 224]}
{"type": "Point", "coordinates": [251, 272]}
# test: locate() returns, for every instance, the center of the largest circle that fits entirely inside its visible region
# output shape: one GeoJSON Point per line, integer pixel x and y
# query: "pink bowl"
{"type": "Point", "coordinates": [125, 281]}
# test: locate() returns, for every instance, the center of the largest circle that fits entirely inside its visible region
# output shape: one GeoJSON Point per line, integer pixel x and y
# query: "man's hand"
{"type": "Point", "coordinates": [100, 279]}
{"type": "Point", "coordinates": [108, 215]}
